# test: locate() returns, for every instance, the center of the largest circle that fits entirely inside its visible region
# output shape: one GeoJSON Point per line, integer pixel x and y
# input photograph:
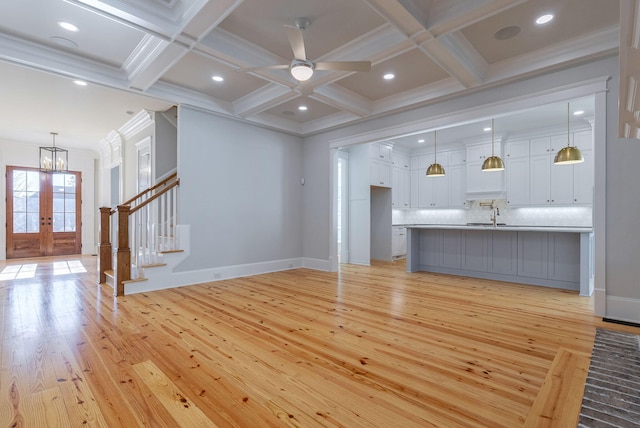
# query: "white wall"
{"type": "Point", "coordinates": [240, 191]}
{"type": "Point", "coordinates": [14, 153]}
{"type": "Point", "coordinates": [622, 279]}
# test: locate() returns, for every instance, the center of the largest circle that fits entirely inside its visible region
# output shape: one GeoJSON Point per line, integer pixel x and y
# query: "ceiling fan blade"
{"type": "Point", "coordinates": [294, 34]}
{"type": "Point", "coordinates": [267, 67]}
{"type": "Point", "coordinates": [344, 65]}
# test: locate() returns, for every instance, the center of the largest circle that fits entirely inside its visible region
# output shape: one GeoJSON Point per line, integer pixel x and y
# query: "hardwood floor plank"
{"type": "Point", "coordinates": [364, 347]}
{"type": "Point", "coordinates": [183, 410]}
{"type": "Point", "coordinates": [560, 398]}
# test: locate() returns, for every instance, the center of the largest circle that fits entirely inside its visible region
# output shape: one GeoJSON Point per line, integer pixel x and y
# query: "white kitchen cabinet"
{"type": "Point", "coordinates": [379, 174]}
{"type": "Point", "coordinates": [400, 188]}
{"type": "Point", "coordinates": [415, 193]}
{"type": "Point", "coordinates": [380, 152]}
{"type": "Point", "coordinates": [399, 241]}
{"type": "Point", "coordinates": [516, 149]}
{"type": "Point", "coordinates": [552, 184]}
{"type": "Point", "coordinates": [399, 160]}
{"type": "Point", "coordinates": [488, 183]}
{"type": "Point", "coordinates": [433, 191]}
{"type": "Point", "coordinates": [518, 176]}
{"type": "Point", "coordinates": [561, 183]}
{"type": "Point", "coordinates": [457, 186]}
{"type": "Point", "coordinates": [540, 174]}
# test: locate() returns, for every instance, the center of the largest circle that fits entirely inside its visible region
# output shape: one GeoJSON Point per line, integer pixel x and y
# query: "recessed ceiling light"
{"type": "Point", "coordinates": [578, 112]}
{"type": "Point", "coordinates": [68, 26]}
{"type": "Point", "coordinates": [388, 76]}
{"type": "Point", "coordinates": [421, 141]}
{"type": "Point", "coordinates": [544, 19]}
{"type": "Point", "coordinates": [80, 82]}
{"type": "Point", "coordinates": [217, 78]}
{"type": "Point", "coordinates": [487, 129]}
{"type": "Point", "coordinates": [302, 108]}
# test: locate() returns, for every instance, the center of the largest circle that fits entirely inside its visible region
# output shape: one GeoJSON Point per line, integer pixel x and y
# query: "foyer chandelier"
{"type": "Point", "coordinates": [54, 159]}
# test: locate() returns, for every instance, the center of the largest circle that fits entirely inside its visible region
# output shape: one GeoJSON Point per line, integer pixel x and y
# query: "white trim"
{"type": "Point", "coordinates": [333, 209]}
{"type": "Point", "coordinates": [495, 109]}
{"type": "Point", "coordinates": [316, 264]}
{"type": "Point", "coordinates": [623, 309]}
{"type": "Point", "coordinates": [600, 203]}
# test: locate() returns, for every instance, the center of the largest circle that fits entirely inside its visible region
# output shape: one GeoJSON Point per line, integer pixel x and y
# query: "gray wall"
{"type": "Point", "coordinates": [166, 147]}
{"type": "Point", "coordinates": [622, 176]}
{"type": "Point", "coordinates": [240, 191]}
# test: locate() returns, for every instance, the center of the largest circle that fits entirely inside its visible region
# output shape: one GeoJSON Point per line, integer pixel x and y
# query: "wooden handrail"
{"type": "Point", "coordinates": [151, 189]}
{"type": "Point", "coordinates": [154, 197]}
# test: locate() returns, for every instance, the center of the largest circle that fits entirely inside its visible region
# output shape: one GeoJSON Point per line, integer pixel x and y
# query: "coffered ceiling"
{"type": "Point", "coordinates": [165, 52]}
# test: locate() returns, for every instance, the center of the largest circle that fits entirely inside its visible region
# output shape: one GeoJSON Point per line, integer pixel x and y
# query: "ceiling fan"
{"type": "Point", "coordinates": [301, 67]}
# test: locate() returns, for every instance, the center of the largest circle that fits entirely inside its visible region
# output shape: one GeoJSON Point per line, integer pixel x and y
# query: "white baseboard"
{"type": "Point", "coordinates": [600, 302]}
{"type": "Point", "coordinates": [316, 264]}
{"type": "Point", "coordinates": [623, 309]}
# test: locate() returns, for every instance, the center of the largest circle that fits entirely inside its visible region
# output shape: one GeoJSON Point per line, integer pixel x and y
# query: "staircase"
{"type": "Point", "coordinates": [149, 243]}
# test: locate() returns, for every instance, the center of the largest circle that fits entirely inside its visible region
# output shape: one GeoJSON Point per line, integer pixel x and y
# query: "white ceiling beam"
{"type": "Point", "coordinates": [263, 99]}
{"type": "Point", "coordinates": [588, 47]}
{"type": "Point", "coordinates": [453, 15]}
{"type": "Point", "coordinates": [43, 58]}
{"type": "Point", "coordinates": [456, 56]}
{"type": "Point", "coordinates": [342, 99]}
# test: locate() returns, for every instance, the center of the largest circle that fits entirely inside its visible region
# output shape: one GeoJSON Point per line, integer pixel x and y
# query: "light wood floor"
{"type": "Point", "coordinates": [368, 347]}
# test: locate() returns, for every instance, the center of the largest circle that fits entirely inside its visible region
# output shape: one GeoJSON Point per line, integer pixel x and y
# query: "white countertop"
{"type": "Point", "coordinates": [572, 229]}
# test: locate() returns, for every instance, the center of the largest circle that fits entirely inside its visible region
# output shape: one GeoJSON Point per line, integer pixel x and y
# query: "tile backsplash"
{"type": "Point", "coordinates": [522, 216]}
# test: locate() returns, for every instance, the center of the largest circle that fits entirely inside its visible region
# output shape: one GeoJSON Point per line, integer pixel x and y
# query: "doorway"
{"type": "Point", "coordinates": [43, 213]}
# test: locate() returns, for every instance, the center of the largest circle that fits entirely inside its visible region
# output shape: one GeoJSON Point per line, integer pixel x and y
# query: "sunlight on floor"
{"type": "Point", "coordinates": [68, 267]}
{"type": "Point", "coordinates": [29, 270]}
{"type": "Point", "coordinates": [18, 272]}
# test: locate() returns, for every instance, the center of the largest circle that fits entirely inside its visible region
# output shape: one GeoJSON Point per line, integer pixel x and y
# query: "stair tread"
{"type": "Point", "coordinates": [109, 273]}
{"type": "Point", "coordinates": [128, 281]}
{"type": "Point", "coordinates": [150, 265]}
{"type": "Point", "coordinates": [171, 251]}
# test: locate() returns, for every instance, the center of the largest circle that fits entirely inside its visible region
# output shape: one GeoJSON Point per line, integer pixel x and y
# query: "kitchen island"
{"type": "Point", "coordinates": [559, 257]}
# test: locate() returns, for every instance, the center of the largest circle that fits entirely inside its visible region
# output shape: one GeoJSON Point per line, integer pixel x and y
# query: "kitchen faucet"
{"type": "Point", "coordinates": [495, 211]}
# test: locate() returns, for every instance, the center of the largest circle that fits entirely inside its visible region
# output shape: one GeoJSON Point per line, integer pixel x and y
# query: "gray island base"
{"type": "Point", "coordinates": [559, 257]}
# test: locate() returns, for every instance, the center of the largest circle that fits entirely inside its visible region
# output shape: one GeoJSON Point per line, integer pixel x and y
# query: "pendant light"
{"type": "Point", "coordinates": [570, 154]}
{"type": "Point", "coordinates": [493, 162]}
{"type": "Point", "coordinates": [435, 169]}
{"type": "Point", "coordinates": [53, 159]}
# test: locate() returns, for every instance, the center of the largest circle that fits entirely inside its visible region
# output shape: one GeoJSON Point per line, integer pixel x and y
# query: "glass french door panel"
{"type": "Point", "coordinates": [64, 202]}
{"type": "Point", "coordinates": [26, 202]}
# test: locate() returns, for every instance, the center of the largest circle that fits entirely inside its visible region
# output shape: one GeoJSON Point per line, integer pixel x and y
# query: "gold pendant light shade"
{"type": "Point", "coordinates": [570, 154]}
{"type": "Point", "coordinates": [493, 162]}
{"type": "Point", "coordinates": [435, 169]}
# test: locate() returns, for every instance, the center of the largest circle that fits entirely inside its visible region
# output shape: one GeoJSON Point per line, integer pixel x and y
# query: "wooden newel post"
{"type": "Point", "coordinates": [123, 254]}
{"type": "Point", "coordinates": [105, 253]}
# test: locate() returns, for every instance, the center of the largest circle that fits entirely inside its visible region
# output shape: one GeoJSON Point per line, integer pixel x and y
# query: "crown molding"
{"type": "Point", "coordinates": [136, 124]}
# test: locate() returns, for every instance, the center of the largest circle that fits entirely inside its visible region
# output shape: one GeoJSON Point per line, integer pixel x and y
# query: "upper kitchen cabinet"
{"type": "Point", "coordinates": [541, 182]}
{"type": "Point", "coordinates": [517, 172]}
{"type": "Point", "coordinates": [399, 160]}
{"type": "Point", "coordinates": [485, 184]}
{"type": "Point", "coordinates": [380, 165]}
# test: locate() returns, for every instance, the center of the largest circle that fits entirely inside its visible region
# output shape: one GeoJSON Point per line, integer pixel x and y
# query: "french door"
{"type": "Point", "coordinates": [43, 213]}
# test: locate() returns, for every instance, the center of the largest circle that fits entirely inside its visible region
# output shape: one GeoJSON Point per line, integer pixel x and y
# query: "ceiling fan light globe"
{"type": "Point", "coordinates": [301, 70]}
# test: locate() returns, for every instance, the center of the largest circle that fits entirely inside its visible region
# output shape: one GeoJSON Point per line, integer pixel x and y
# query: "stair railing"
{"type": "Point", "coordinates": [146, 227]}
